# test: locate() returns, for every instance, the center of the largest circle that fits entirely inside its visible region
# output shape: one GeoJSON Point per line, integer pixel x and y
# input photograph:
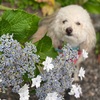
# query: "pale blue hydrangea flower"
{"type": "Point", "coordinates": [15, 61]}
{"type": "Point", "coordinates": [60, 77]}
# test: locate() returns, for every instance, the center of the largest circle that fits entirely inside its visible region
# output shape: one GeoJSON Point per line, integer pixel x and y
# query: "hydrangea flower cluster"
{"type": "Point", "coordinates": [60, 77]}
{"type": "Point", "coordinates": [15, 61]}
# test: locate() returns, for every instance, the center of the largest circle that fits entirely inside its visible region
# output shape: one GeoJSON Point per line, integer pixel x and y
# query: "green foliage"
{"type": "Point", "coordinates": [68, 2]}
{"type": "Point", "coordinates": [20, 23]}
{"type": "Point", "coordinates": [23, 26]}
{"type": "Point", "coordinates": [22, 4]}
{"type": "Point", "coordinates": [93, 6]}
{"type": "Point", "coordinates": [0, 1]}
{"type": "Point", "coordinates": [45, 48]}
{"type": "Point", "coordinates": [25, 78]}
{"type": "Point", "coordinates": [98, 44]}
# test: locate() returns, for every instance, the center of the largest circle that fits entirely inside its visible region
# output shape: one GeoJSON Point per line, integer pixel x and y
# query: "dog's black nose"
{"type": "Point", "coordinates": [69, 31]}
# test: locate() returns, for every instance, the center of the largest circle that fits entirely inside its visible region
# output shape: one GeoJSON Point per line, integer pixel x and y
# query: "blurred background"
{"type": "Point", "coordinates": [91, 83]}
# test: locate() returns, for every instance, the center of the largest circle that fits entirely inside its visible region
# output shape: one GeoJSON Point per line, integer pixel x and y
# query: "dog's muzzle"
{"type": "Point", "coordinates": [69, 31]}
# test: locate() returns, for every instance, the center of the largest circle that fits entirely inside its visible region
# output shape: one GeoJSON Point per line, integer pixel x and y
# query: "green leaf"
{"type": "Point", "coordinates": [93, 6]}
{"type": "Point", "coordinates": [45, 48]}
{"type": "Point", "coordinates": [36, 71]}
{"type": "Point", "coordinates": [20, 23]}
{"type": "Point", "coordinates": [0, 1]}
{"type": "Point", "coordinates": [25, 78]}
{"type": "Point", "coordinates": [97, 48]}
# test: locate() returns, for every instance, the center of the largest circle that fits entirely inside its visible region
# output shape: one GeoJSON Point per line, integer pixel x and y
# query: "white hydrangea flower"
{"type": "Point", "coordinates": [85, 54]}
{"type": "Point", "coordinates": [36, 81]}
{"type": "Point", "coordinates": [24, 92]}
{"type": "Point", "coordinates": [52, 96]}
{"type": "Point", "coordinates": [48, 64]}
{"type": "Point", "coordinates": [81, 73]}
{"type": "Point", "coordinates": [76, 91]}
{"type": "Point", "coordinates": [0, 80]}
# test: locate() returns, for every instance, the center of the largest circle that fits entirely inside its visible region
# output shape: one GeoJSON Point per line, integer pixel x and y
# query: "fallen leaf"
{"type": "Point", "coordinates": [47, 10]}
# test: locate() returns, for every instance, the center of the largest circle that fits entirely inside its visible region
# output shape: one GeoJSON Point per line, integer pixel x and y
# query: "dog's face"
{"type": "Point", "coordinates": [71, 25]}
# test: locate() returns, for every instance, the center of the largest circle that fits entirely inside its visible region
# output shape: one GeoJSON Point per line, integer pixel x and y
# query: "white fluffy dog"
{"type": "Point", "coordinates": [71, 24]}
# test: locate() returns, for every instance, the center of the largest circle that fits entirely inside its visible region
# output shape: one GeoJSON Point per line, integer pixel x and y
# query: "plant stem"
{"type": "Point", "coordinates": [5, 8]}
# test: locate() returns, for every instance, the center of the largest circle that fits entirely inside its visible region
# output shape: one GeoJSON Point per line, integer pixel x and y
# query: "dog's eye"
{"type": "Point", "coordinates": [64, 21]}
{"type": "Point", "coordinates": [78, 23]}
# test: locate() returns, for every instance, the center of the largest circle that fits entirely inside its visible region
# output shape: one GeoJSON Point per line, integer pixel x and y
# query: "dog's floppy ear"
{"type": "Point", "coordinates": [44, 24]}
{"type": "Point", "coordinates": [90, 42]}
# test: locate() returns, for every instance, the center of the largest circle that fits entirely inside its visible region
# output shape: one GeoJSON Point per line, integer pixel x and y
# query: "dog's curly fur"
{"type": "Point", "coordinates": [71, 24]}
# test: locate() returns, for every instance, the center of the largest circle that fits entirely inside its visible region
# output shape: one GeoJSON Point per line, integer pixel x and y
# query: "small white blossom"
{"type": "Point", "coordinates": [36, 81]}
{"type": "Point", "coordinates": [0, 80]}
{"type": "Point", "coordinates": [48, 64]}
{"type": "Point", "coordinates": [52, 96]}
{"type": "Point", "coordinates": [24, 92]}
{"type": "Point", "coordinates": [81, 73]}
{"type": "Point", "coordinates": [85, 54]}
{"type": "Point", "coordinates": [76, 91]}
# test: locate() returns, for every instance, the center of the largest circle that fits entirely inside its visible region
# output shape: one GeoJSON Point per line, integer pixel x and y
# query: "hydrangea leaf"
{"type": "Point", "coordinates": [92, 6]}
{"type": "Point", "coordinates": [20, 23]}
{"type": "Point", "coordinates": [45, 48]}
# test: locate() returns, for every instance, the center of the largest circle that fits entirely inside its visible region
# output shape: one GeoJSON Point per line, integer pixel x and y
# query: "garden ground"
{"type": "Point", "coordinates": [91, 83]}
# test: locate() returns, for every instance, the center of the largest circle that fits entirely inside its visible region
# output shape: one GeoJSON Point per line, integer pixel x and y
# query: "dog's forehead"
{"type": "Point", "coordinates": [74, 12]}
